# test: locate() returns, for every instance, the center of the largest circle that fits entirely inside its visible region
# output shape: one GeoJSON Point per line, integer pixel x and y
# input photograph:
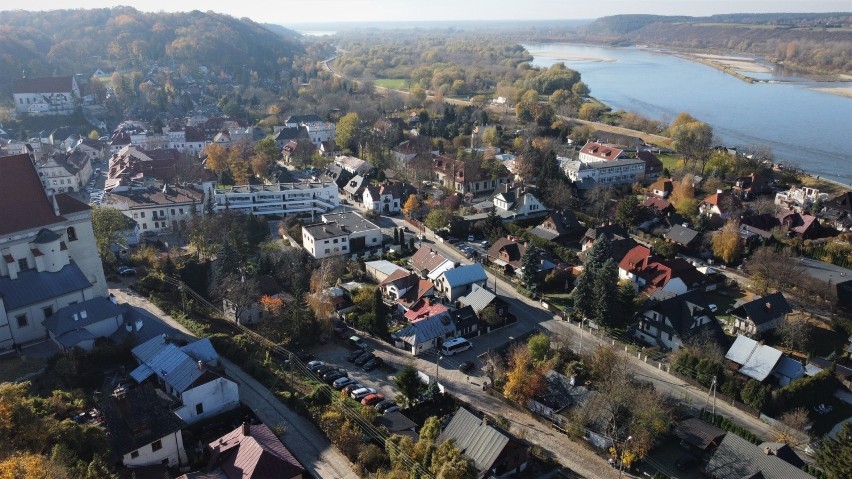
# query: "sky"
{"type": "Point", "coordinates": [292, 12]}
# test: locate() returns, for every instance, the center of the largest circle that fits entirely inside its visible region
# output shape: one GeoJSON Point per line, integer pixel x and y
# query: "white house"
{"type": "Point", "coordinates": [723, 204]}
{"type": "Point", "coordinates": [387, 198]}
{"type": "Point", "coordinates": [158, 210]}
{"type": "Point", "coordinates": [517, 201]}
{"type": "Point", "coordinates": [340, 234]}
{"type": "Point", "coordinates": [278, 199]}
{"type": "Point", "coordinates": [459, 281]}
{"type": "Point", "coordinates": [190, 140]}
{"type": "Point", "coordinates": [797, 198]}
{"type": "Point", "coordinates": [189, 374]}
{"type": "Point", "coordinates": [46, 95]}
{"type": "Point", "coordinates": [670, 323]}
{"type": "Point", "coordinates": [143, 430]}
{"type": "Point", "coordinates": [622, 171]}
{"type": "Point", "coordinates": [49, 255]}
{"type": "Point", "coordinates": [425, 334]}
{"type": "Point", "coordinates": [62, 173]}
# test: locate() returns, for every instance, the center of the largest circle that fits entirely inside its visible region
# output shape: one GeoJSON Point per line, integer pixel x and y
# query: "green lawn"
{"type": "Point", "coordinates": [392, 83]}
{"type": "Point", "coordinates": [670, 162]}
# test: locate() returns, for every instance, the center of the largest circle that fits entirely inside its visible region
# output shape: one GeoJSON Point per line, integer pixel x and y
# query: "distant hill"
{"type": "Point", "coordinates": [282, 30]}
{"type": "Point", "coordinates": [63, 42]}
{"type": "Point", "coordinates": [818, 42]}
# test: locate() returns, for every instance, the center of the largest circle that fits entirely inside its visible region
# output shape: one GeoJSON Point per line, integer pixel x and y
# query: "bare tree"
{"type": "Point", "coordinates": [791, 426]}
{"type": "Point", "coordinates": [795, 332]}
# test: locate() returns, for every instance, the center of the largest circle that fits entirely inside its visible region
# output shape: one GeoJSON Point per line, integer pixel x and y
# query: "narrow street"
{"type": "Point", "coordinates": [300, 436]}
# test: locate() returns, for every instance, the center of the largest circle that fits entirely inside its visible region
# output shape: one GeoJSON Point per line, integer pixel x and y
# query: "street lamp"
{"type": "Point", "coordinates": [621, 459]}
{"type": "Point", "coordinates": [436, 368]}
{"type": "Point", "coordinates": [584, 320]}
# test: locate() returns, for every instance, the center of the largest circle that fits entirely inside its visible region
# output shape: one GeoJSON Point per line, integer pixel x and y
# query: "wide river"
{"type": "Point", "coordinates": [811, 128]}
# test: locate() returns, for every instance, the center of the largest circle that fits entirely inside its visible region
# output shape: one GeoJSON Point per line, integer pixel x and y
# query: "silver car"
{"type": "Point", "coordinates": [362, 393]}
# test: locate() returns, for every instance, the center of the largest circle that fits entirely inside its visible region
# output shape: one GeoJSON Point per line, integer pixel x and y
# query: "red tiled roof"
{"type": "Point", "coordinates": [258, 455]}
{"type": "Point", "coordinates": [25, 204]}
{"type": "Point", "coordinates": [723, 200]}
{"type": "Point", "coordinates": [657, 203]}
{"type": "Point", "coordinates": [424, 309]}
{"type": "Point", "coordinates": [414, 295]}
{"type": "Point", "coordinates": [401, 278]}
{"type": "Point", "coordinates": [635, 258]}
{"type": "Point", "coordinates": [43, 85]}
{"type": "Point", "coordinates": [601, 151]}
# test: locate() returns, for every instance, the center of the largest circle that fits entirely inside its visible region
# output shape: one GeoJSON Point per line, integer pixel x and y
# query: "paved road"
{"type": "Point", "coordinates": [530, 315]}
{"type": "Point", "coordinates": [300, 436]}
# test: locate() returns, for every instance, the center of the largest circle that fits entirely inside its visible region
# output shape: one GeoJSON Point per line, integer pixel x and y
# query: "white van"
{"type": "Point", "coordinates": [455, 345]}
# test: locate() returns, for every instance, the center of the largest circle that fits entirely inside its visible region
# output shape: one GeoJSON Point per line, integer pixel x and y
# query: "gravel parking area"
{"type": "Point", "coordinates": [334, 354]}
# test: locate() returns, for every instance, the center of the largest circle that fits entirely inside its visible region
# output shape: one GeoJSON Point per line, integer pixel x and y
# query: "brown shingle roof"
{"type": "Point", "coordinates": [25, 204]}
{"type": "Point", "coordinates": [258, 455]}
{"type": "Point", "coordinates": [68, 204]}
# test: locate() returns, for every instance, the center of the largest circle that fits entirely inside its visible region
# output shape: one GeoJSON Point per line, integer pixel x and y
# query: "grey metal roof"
{"type": "Point", "coordinates": [201, 350]}
{"type": "Point", "coordinates": [478, 298]}
{"type": "Point", "coordinates": [71, 318]}
{"type": "Point", "coordinates": [681, 234]}
{"type": "Point", "coordinates": [463, 275]}
{"type": "Point", "coordinates": [396, 422]}
{"type": "Point", "coordinates": [757, 360]}
{"type": "Point", "coordinates": [425, 330]}
{"type": "Point", "coordinates": [33, 286]}
{"type": "Point", "coordinates": [75, 337]}
{"type": "Point", "coordinates": [172, 364]}
{"type": "Point", "coordinates": [698, 433]}
{"type": "Point", "coordinates": [476, 439]}
{"type": "Point", "coordinates": [789, 368]}
{"type": "Point", "coordinates": [737, 458]}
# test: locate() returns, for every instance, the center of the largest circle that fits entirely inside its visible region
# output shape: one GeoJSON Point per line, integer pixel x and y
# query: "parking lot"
{"type": "Point", "coordinates": [334, 354]}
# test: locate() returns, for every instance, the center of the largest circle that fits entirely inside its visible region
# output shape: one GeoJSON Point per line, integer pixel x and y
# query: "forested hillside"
{"type": "Point", "coordinates": [816, 42]}
{"type": "Point", "coordinates": [64, 42]}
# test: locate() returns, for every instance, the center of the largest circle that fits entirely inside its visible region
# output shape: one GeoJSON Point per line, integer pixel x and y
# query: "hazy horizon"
{"type": "Point", "coordinates": [381, 11]}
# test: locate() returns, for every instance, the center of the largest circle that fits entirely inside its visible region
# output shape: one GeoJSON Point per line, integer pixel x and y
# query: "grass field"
{"type": "Point", "coordinates": [392, 83]}
{"type": "Point", "coordinates": [670, 161]}
{"type": "Point", "coordinates": [12, 367]}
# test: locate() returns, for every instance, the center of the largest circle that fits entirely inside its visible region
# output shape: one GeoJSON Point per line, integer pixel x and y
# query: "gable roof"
{"type": "Point", "coordinates": [467, 274]}
{"type": "Point", "coordinates": [71, 318]}
{"type": "Point", "coordinates": [600, 151]}
{"type": "Point", "coordinates": [433, 327]}
{"type": "Point", "coordinates": [44, 85]}
{"type": "Point", "coordinates": [764, 309]}
{"type": "Point", "coordinates": [681, 234]}
{"type": "Point", "coordinates": [757, 360]}
{"type": "Point", "coordinates": [25, 203]}
{"type": "Point", "coordinates": [33, 286]}
{"type": "Point", "coordinates": [658, 204]}
{"type": "Point", "coordinates": [724, 200]}
{"type": "Point", "coordinates": [513, 249]}
{"type": "Point", "coordinates": [423, 288]}
{"type": "Point", "coordinates": [663, 184]}
{"type": "Point", "coordinates": [256, 455]}
{"type": "Point", "coordinates": [176, 366]}
{"type": "Point", "coordinates": [682, 310]}
{"type": "Point", "coordinates": [423, 309]}
{"type": "Point", "coordinates": [139, 418]}
{"type": "Point", "coordinates": [564, 223]}
{"type": "Point", "coordinates": [479, 298]}
{"type": "Point", "coordinates": [401, 278]}
{"type": "Point", "coordinates": [426, 259]}
{"type": "Point", "coordinates": [698, 433]}
{"type": "Point", "coordinates": [476, 439]}
{"type": "Point", "coordinates": [67, 204]}
{"type": "Point", "coordinates": [737, 458]}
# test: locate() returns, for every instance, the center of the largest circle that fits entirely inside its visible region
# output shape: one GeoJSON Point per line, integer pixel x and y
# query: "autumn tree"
{"type": "Point", "coordinates": [217, 158]}
{"type": "Point", "coordinates": [791, 426]}
{"type": "Point", "coordinates": [524, 380]}
{"type": "Point", "coordinates": [346, 133]}
{"type": "Point", "coordinates": [683, 197]}
{"type": "Point", "coordinates": [411, 205]}
{"type": "Point", "coordinates": [728, 243]}
{"type": "Point", "coordinates": [108, 225]}
{"type": "Point", "coordinates": [692, 138]}
{"type": "Point", "coordinates": [539, 347]}
{"type": "Point", "coordinates": [266, 153]}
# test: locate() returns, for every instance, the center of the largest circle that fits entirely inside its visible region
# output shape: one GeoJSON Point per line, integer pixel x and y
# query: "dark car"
{"type": "Point", "coordinates": [329, 378]}
{"type": "Point", "coordinates": [373, 364]}
{"type": "Point", "coordinates": [323, 370]}
{"type": "Point", "coordinates": [315, 365]}
{"type": "Point", "coordinates": [466, 367]}
{"type": "Point", "coordinates": [126, 271]}
{"type": "Point", "coordinates": [364, 358]}
{"type": "Point", "coordinates": [384, 405]}
{"type": "Point", "coordinates": [355, 355]}
{"type": "Point", "coordinates": [351, 387]}
{"type": "Point", "coordinates": [340, 373]}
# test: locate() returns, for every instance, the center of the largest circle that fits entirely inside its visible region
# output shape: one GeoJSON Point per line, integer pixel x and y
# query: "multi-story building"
{"type": "Point", "coordinates": [278, 199]}
{"type": "Point", "coordinates": [46, 95]}
{"type": "Point", "coordinates": [624, 171]}
{"type": "Point", "coordinates": [465, 178]}
{"type": "Point", "coordinates": [49, 256]}
{"type": "Point", "coordinates": [339, 234]}
{"type": "Point", "coordinates": [62, 173]}
{"type": "Point", "coordinates": [133, 165]}
{"type": "Point", "coordinates": [158, 210]}
{"type": "Point", "coordinates": [593, 152]}
{"type": "Point", "coordinates": [189, 141]}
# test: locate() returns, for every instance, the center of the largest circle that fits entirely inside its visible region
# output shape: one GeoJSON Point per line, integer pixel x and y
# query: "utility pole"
{"type": "Point", "coordinates": [712, 392]}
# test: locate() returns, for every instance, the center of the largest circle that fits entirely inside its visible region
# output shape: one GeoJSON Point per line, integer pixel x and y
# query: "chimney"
{"type": "Point", "coordinates": [767, 450]}
{"type": "Point", "coordinates": [768, 306]}
{"type": "Point", "coordinates": [200, 365]}
{"type": "Point", "coordinates": [484, 421]}
{"type": "Point", "coordinates": [719, 191]}
{"type": "Point", "coordinates": [246, 430]}
{"type": "Point", "coordinates": [84, 314]}
{"type": "Point", "coordinates": [75, 316]}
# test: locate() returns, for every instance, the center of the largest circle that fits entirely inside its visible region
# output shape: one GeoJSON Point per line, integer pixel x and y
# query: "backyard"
{"type": "Point", "coordinates": [13, 367]}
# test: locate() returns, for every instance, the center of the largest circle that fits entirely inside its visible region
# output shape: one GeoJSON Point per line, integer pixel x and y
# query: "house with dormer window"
{"type": "Point", "coordinates": [672, 322]}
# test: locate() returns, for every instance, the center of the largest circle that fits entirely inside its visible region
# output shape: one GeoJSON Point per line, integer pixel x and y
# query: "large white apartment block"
{"type": "Point", "coordinates": [158, 210]}
{"type": "Point", "coordinates": [605, 173]}
{"type": "Point", "coordinates": [278, 199]}
{"type": "Point", "coordinates": [340, 234]}
{"type": "Point", "coordinates": [593, 152]}
{"type": "Point", "coordinates": [48, 254]}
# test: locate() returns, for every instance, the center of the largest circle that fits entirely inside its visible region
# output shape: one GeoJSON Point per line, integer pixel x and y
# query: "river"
{"type": "Point", "coordinates": [810, 128]}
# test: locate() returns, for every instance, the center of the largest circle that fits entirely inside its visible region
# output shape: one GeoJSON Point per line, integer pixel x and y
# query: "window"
{"type": "Point", "coordinates": [48, 311]}
{"type": "Point", "coordinates": [327, 251]}
{"type": "Point", "coordinates": [144, 226]}
{"type": "Point", "coordinates": [156, 445]}
{"type": "Point", "coordinates": [343, 247]}
{"type": "Point", "coordinates": [173, 211]}
{"type": "Point", "coordinates": [374, 240]}
{"type": "Point", "coordinates": [670, 336]}
{"type": "Point", "coordinates": [23, 265]}
{"type": "Point", "coordinates": [134, 454]}
{"type": "Point", "coordinates": [22, 320]}
{"type": "Point", "coordinates": [142, 214]}
{"type": "Point", "coordinates": [135, 215]}
{"type": "Point", "coordinates": [180, 210]}
{"type": "Point", "coordinates": [335, 240]}
{"type": "Point", "coordinates": [199, 408]}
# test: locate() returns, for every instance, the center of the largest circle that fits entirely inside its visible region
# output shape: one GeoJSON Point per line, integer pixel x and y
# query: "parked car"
{"type": "Point", "coordinates": [466, 367]}
{"type": "Point", "coordinates": [484, 243]}
{"type": "Point", "coordinates": [360, 394]}
{"type": "Point", "coordinates": [355, 355]}
{"type": "Point", "coordinates": [326, 376]}
{"type": "Point", "coordinates": [364, 358]}
{"type": "Point", "coordinates": [314, 365]}
{"type": "Point", "coordinates": [323, 370]}
{"type": "Point", "coordinates": [471, 238]}
{"type": "Point", "coordinates": [373, 363]}
{"type": "Point", "coordinates": [351, 387]}
{"type": "Point", "coordinates": [373, 399]}
{"type": "Point", "coordinates": [713, 308]}
{"type": "Point", "coordinates": [384, 405]}
{"type": "Point", "coordinates": [342, 382]}
{"type": "Point", "coordinates": [124, 270]}
{"type": "Point", "coordinates": [332, 376]}
{"type": "Point", "coordinates": [357, 342]}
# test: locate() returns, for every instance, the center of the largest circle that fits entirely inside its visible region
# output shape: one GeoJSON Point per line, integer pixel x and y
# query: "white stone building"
{"type": "Point", "coordinates": [340, 234]}
{"type": "Point", "coordinates": [617, 172]}
{"type": "Point", "coordinates": [158, 210]}
{"type": "Point", "coordinates": [306, 198]}
{"type": "Point", "coordinates": [46, 95]}
{"type": "Point", "coordinates": [61, 173]}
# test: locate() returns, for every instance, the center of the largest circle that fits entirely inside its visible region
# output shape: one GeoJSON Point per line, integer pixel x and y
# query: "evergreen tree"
{"type": "Point", "coordinates": [583, 294]}
{"type": "Point", "coordinates": [606, 295]}
{"type": "Point", "coordinates": [528, 263]}
{"type": "Point", "coordinates": [835, 455]}
{"type": "Point", "coordinates": [627, 211]}
{"type": "Point", "coordinates": [380, 314]}
{"type": "Point", "coordinates": [228, 260]}
{"type": "Point", "coordinates": [395, 236]}
{"type": "Point", "coordinates": [600, 252]}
